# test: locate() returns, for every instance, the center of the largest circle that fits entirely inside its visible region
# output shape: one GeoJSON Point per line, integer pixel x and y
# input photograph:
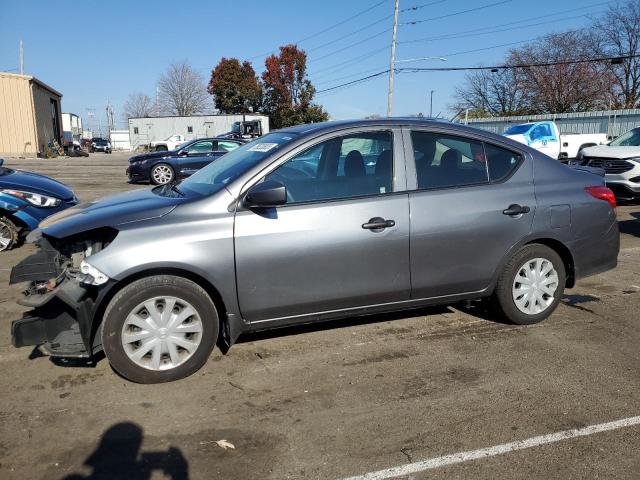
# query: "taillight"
{"type": "Point", "coordinates": [602, 193]}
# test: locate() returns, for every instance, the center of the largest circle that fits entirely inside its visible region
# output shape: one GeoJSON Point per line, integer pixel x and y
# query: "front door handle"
{"type": "Point", "coordinates": [515, 209]}
{"type": "Point", "coordinates": [378, 224]}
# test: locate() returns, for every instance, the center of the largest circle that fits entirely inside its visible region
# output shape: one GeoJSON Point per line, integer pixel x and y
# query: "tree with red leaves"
{"type": "Point", "coordinates": [235, 87]}
{"type": "Point", "coordinates": [287, 91]}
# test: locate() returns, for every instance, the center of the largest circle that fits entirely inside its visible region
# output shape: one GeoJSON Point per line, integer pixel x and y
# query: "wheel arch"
{"type": "Point", "coordinates": [565, 254]}
{"type": "Point", "coordinates": [223, 339]}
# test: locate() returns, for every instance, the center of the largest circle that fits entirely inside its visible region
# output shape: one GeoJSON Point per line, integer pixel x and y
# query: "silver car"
{"type": "Point", "coordinates": [311, 223]}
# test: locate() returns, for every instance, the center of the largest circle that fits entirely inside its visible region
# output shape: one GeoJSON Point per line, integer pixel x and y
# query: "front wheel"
{"type": "Point", "coordinates": [8, 234]}
{"type": "Point", "coordinates": [159, 329]}
{"type": "Point", "coordinates": [162, 174]}
{"type": "Point", "coordinates": [530, 286]}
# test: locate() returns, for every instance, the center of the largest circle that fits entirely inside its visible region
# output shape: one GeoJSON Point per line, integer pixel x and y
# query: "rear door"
{"type": "Point", "coordinates": [322, 251]}
{"type": "Point", "coordinates": [461, 225]}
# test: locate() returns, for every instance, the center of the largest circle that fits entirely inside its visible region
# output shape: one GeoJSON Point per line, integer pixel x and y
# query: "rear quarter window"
{"type": "Point", "coordinates": [501, 162]}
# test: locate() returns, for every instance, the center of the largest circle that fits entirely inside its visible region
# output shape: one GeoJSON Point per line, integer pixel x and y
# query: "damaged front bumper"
{"type": "Point", "coordinates": [61, 321]}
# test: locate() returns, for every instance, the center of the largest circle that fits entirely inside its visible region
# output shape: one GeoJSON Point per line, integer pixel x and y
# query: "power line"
{"type": "Point", "coordinates": [518, 65]}
{"type": "Point", "coordinates": [368, 77]}
{"type": "Point", "coordinates": [352, 61]}
{"type": "Point", "coordinates": [351, 45]}
{"type": "Point", "coordinates": [335, 25]}
{"type": "Point", "coordinates": [369, 25]}
{"type": "Point", "coordinates": [482, 7]}
{"type": "Point", "coordinates": [418, 7]}
{"type": "Point", "coordinates": [492, 29]}
{"type": "Point", "coordinates": [492, 68]}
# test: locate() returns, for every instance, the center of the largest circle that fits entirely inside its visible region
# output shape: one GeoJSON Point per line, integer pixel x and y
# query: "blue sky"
{"type": "Point", "coordinates": [94, 52]}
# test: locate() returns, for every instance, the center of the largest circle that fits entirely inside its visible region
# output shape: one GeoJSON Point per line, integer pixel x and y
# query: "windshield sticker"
{"type": "Point", "coordinates": [263, 147]}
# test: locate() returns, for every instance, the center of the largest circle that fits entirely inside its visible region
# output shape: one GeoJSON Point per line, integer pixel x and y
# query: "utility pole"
{"type": "Point", "coordinates": [21, 58]}
{"type": "Point", "coordinates": [392, 65]}
{"type": "Point", "coordinates": [431, 105]}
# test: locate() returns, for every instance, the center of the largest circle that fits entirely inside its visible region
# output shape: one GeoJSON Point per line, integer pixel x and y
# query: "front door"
{"type": "Point", "coordinates": [461, 224]}
{"type": "Point", "coordinates": [196, 156]}
{"type": "Point", "coordinates": [340, 242]}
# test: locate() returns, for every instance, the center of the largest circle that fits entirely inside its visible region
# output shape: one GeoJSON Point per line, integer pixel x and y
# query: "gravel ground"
{"type": "Point", "coordinates": [342, 398]}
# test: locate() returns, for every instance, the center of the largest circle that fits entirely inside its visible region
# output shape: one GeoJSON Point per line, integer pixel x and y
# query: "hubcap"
{"type": "Point", "coordinates": [161, 333]}
{"type": "Point", "coordinates": [535, 286]}
{"type": "Point", "coordinates": [162, 174]}
{"type": "Point", "coordinates": [5, 236]}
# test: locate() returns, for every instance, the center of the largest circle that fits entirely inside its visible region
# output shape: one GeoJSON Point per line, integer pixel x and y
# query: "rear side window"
{"type": "Point", "coordinates": [448, 161]}
{"type": "Point", "coordinates": [501, 162]}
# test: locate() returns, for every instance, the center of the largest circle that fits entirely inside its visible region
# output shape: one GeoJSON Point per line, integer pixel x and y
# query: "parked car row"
{"type": "Point", "coordinates": [25, 200]}
{"type": "Point", "coordinates": [311, 223]}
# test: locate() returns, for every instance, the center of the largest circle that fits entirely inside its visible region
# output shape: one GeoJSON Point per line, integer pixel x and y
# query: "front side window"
{"type": "Point", "coordinates": [200, 147]}
{"type": "Point", "coordinates": [342, 167]}
{"type": "Point", "coordinates": [629, 139]}
{"type": "Point", "coordinates": [448, 161]}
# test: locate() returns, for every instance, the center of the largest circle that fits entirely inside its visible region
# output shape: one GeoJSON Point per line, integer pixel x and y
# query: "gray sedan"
{"type": "Point", "coordinates": [311, 223]}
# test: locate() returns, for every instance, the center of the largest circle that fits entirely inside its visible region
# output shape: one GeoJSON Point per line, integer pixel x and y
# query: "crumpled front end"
{"type": "Point", "coordinates": [63, 290]}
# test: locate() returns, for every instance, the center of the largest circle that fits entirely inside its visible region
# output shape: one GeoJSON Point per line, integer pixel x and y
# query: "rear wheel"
{"type": "Point", "coordinates": [8, 234]}
{"type": "Point", "coordinates": [531, 285]}
{"type": "Point", "coordinates": [159, 329]}
{"type": "Point", "coordinates": [162, 174]}
{"type": "Point", "coordinates": [161, 148]}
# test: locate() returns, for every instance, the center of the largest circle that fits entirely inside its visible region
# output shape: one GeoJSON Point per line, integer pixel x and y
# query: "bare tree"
{"type": "Point", "coordinates": [183, 90]}
{"type": "Point", "coordinates": [498, 93]}
{"type": "Point", "coordinates": [563, 87]}
{"type": "Point", "coordinates": [137, 105]}
{"type": "Point", "coordinates": [618, 34]}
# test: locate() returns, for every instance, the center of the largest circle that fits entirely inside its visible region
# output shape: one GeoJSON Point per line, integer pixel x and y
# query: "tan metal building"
{"type": "Point", "coordinates": [29, 115]}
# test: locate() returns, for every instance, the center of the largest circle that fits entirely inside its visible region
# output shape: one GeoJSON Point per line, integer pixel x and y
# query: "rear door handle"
{"type": "Point", "coordinates": [377, 224]}
{"type": "Point", "coordinates": [515, 209]}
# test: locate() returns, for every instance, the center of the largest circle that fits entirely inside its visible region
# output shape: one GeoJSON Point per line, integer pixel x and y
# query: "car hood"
{"type": "Point", "coordinates": [36, 183]}
{"type": "Point", "coordinates": [150, 155]}
{"type": "Point", "coordinates": [605, 151]}
{"type": "Point", "coordinates": [110, 211]}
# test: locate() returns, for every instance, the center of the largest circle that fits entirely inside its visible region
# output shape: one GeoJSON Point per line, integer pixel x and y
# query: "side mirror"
{"type": "Point", "coordinates": [183, 153]}
{"type": "Point", "coordinates": [266, 194]}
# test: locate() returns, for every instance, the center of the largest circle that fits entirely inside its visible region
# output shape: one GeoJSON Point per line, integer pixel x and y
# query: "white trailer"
{"type": "Point", "coordinates": [145, 130]}
{"type": "Point", "coordinates": [71, 130]}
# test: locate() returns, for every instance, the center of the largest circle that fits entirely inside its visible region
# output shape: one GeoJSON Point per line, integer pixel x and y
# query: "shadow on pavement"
{"type": "Point", "coordinates": [118, 457]}
{"type": "Point", "coordinates": [631, 227]}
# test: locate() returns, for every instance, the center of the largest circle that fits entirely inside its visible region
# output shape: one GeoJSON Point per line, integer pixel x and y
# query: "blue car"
{"type": "Point", "coordinates": [161, 168]}
{"type": "Point", "coordinates": [26, 199]}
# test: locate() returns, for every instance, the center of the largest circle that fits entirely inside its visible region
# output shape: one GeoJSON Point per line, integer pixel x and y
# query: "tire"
{"type": "Point", "coordinates": [161, 148]}
{"type": "Point", "coordinates": [524, 311]}
{"type": "Point", "coordinates": [154, 291]}
{"type": "Point", "coordinates": [161, 174]}
{"type": "Point", "coordinates": [9, 234]}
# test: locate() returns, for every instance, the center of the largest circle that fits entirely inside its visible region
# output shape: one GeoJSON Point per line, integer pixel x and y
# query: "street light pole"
{"type": "Point", "coordinates": [392, 65]}
{"type": "Point", "coordinates": [431, 105]}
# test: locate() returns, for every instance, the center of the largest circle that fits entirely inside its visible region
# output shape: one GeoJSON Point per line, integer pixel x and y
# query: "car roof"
{"type": "Point", "coordinates": [315, 128]}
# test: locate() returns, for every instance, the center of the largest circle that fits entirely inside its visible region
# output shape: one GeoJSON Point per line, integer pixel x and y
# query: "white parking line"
{"type": "Point", "coordinates": [496, 450]}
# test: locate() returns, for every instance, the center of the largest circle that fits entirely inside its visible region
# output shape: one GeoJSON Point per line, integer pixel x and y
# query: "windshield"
{"type": "Point", "coordinates": [629, 139]}
{"type": "Point", "coordinates": [230, 166]}
{"type": "Point", "coordinates": [519, 129]}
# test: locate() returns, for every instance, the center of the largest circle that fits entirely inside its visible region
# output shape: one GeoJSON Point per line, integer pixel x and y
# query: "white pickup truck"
{"type": "Point", "coordinates": [170, 143]}
{"type": "Point", "coordinates": [546, 138]}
